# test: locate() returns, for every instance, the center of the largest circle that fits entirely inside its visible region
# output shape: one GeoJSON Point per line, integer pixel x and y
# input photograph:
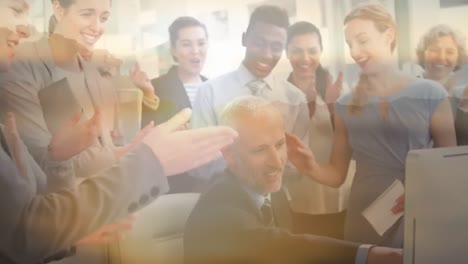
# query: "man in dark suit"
{"type": "Point", "coordinates": [245, 217]}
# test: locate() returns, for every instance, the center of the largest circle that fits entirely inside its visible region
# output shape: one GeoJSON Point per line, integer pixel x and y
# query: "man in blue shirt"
{"type": "Point", "coordinates": [264, 42]}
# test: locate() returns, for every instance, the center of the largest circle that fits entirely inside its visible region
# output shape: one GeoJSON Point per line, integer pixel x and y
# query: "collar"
{"type": "Point", "coordinates": [245, 76]}
{"type": "Point", "coordinates": [257, 198]}
{"type": "Point", "coordinates": [173, 73]}
{"type": "Point", "coordinates": [88, 69]}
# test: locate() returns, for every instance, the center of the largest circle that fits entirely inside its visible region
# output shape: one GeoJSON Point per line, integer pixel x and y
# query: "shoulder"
{"type": "Point", "coordinates": [425, 89]}
{"type": "Point", "coordinates": [29, 62]}
{"type": "Point", "coordinates": [26, 58]}
{"type": "Point", "coordinates": [162, 82]}
{"type": "Point", "coordinates": [219, 81]}
{"type": "Point", "coordinates": [26, 50]}
{"type": "Point", "coordinates": [294, 95]}
{"type": "Point", "coordinates": [217, 84]}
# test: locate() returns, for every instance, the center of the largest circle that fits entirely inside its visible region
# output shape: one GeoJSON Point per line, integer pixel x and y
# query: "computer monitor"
{"type": "Point", "coordinates": [436, 206]}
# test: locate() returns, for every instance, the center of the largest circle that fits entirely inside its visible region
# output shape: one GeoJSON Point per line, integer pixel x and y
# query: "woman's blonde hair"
{"type": "Point", "coordinates": [383, 21]}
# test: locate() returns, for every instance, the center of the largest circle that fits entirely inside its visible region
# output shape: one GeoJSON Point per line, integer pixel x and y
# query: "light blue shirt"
{"type": "Point", "coordinates": [215, 94]}
{"type": "Point", "coordinates": [256, 197]}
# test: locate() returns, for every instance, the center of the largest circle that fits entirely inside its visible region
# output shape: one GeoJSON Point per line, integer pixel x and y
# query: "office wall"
{"type": "Point", "coordinates": [137, 29]}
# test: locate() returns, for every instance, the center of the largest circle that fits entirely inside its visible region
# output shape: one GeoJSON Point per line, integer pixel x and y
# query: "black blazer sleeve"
{"type": "Point", "coordinates": [461, 127]}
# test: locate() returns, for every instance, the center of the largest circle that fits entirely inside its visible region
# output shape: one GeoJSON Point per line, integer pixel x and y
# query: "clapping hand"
{"type": "Point", "coordinates": [140, 79]}
{"type": "Point", "coordinates": [334, 89]}
{"type": "Point", "coordinates": [400, 205]}
{"type": "Point", "coordinates": [384, 255]}
{"type": "Point", "coordinates": [181, 150]}
{"type": "Point", "coordinates": [120, 152]}
{"type": "Point", "coordinates": [106, 62]}
{"type": "Point", "coordinates": [299, 154]}
{"type": "Point", "coordinates": [73, 137]}
{"type": "Point", "coordinates": [108, 233]}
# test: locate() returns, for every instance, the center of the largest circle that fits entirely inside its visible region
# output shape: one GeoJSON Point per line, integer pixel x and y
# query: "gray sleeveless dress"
{"type": "Point", "coordinates": [380, 148]}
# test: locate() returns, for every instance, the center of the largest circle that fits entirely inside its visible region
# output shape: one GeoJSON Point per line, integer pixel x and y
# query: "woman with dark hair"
{"type": "Point", "coordinates": [178, 87]}
{"type": "Point", "coordinates": [388, 114]}
{"type": "Point", "coordinates": [304, 50]}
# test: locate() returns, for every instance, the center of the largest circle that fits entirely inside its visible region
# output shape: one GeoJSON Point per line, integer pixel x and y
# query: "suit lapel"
{"type": "Point", "coordinates": [281, 210]}
{"type": "Point", "coordinates": [178, 89]}
{"type": "Point", "coordinates": [243, 198]}
{"type": "Point", "coordinates": [45, 55]}
{"type": "Point", "coordinates": [92, 82]}
{"type": "Point", "coordinates": [279, 203]}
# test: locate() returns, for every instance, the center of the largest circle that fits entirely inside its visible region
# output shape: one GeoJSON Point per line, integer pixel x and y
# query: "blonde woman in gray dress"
{"type": "Point", "coordinates": [388, 114]}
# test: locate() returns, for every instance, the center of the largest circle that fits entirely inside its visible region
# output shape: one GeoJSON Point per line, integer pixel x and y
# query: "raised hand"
{"type": "Point", "coordinates": [140, 79]}
{"type": "Point", "coordinates": [74, 137]}
{"type": "Point", "coordinates": [109, 233]}
{"type": "Point", "coordinates": [120, 152]}
{"type": "Point", "coordinates": [106, 62]}
{"type": "Point", "coordinates": [333, 91]}
{"type": "Point", "coordinates": [299, 154]}
{"type": "Point", "coordinates": [400, 205]}
{"type": "Point", "coordinates": [181, 150]}
{"type": "Point", "coordinates": [384, 255]}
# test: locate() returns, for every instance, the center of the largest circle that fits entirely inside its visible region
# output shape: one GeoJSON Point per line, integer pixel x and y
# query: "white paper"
{"type": "Point", "coordinates": [379, 213]}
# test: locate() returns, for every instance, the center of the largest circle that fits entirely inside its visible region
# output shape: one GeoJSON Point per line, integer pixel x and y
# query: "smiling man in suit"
{"type": "Point", "coordinates": [245, 217]}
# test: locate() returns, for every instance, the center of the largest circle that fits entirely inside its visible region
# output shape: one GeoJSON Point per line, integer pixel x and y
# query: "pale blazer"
{"type": "Point", "coordinates": [33, 70]}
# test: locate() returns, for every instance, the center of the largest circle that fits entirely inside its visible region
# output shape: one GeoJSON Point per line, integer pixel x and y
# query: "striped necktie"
{"type": "Point", "coordinates": [267, 213]}
{"type": "Point", "coordinates": [258, 87]}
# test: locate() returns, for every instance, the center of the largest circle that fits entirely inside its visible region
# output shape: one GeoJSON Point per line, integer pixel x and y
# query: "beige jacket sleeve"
{"type": "Point", "coordinates": [20, 87]}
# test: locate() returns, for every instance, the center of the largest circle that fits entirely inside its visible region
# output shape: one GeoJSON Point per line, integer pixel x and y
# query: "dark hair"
{"type": "Point", "coordinates": [181, 23]}
{"type": "Point", "coordinates": [269, 14]}
{"type": "Point", "coordinates": [64, 4]}
{"type": "Point", "coordinates": [52, 19]}
{"type": "Point", "coordinates": [302, 28]}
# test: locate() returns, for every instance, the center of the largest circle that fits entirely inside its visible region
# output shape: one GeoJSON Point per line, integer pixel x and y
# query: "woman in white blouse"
{"type": "Point", "coordinates": [304, 49]}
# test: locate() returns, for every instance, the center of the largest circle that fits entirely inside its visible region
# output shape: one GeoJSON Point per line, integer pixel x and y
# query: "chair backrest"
{"type": "Point", "coordinates": [157, 235]}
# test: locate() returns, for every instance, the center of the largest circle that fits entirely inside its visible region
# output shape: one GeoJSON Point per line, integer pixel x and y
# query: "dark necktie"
{"type": "Point", "coordinates": [267, 212]}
